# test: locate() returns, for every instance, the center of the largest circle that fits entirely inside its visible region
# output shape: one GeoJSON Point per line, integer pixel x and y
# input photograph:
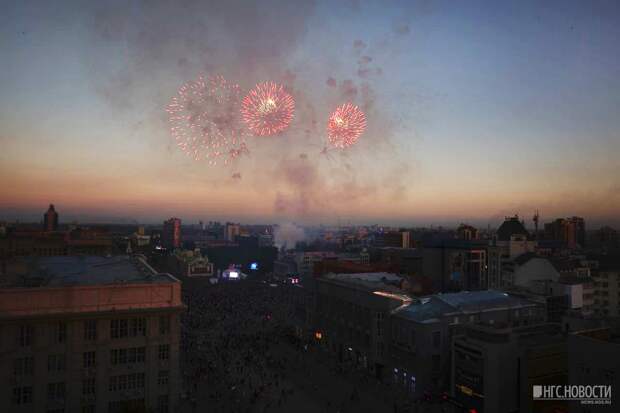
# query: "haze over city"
{"type": "Point", "coordinates": [475, 111]}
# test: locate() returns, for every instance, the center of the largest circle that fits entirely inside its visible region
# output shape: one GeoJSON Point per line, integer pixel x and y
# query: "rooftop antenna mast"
{"type": "Point", "coordinates": [536, 218]}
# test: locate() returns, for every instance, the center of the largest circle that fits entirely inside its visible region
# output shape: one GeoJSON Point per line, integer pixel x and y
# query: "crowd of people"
{"type": "Point", "coordinates": [229, 331]}
{"type": "Point", "coordinates": [239, 355]}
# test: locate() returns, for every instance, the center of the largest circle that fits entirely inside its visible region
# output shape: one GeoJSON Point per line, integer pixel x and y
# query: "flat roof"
{"type": "Point", "coordinates": [432, 308]}
{"type": "Point", "coordinates": [64, 271]}
{"type": "Point", "coordinates": [372, 281]}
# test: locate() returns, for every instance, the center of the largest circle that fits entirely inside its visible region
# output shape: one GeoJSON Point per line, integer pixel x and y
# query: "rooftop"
{"type": "Point", "coordinates": [511, 226]}
{"type": "Point", "coordinates": [369, 280]}
{"type": "Point", "coordinates": [64, 271]}
{"type": "Point", "coordinates": [432, 308]}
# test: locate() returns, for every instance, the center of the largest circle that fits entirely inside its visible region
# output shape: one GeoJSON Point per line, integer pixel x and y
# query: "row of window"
{"type": "Point", "coordinates": [24, 366]}
{"type": "Point", "coordinates": [56, 391]}
{"type": "Point", "coordinates": [127, 355]}
{"type": "Point", "coordinates": [131, 381]}
{"type": "Point", "coordinates": [137, 405]}
{"type": "Point", "coordinates": [120, 328]}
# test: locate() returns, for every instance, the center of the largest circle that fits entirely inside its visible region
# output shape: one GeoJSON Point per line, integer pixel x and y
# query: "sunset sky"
{"type": "Point", "coordinates": [476, 110]}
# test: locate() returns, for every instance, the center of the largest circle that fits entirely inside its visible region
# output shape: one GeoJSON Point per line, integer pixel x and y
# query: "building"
{"type": "Point", "coordinates": [495, 366]}
{"type": "Point", "coordinates": [89, 334]}
{"type": "Point", "coordinates": [528, 270]}
{"type": "Point", "coordinates": [231, 231]}
{"type": "Point", "coordinates": [305, 261]}
{"type": "Point", "coordinates": [395, 239]}
{"type": "Point", "coordinates": [467, 232]}
{"type": "Point", "coordinates": [171, 234]}
{"type": "Point", "coordinates": [350, 315]}
{"type": "Point", "coordinates": [422, 332]}
{"type": "Point", "coordinates": [511, 241]}
{"type": "Point", "coordinates": [456, 265]}
{"type": "Point", "coordinates": [402, 260]}
{"type": "Point", "coordinates": [513, 238]}
{"type": "Point", "coordinates": [50, 244]}
{"type": "Point", "coordinates": [50, 219]}
{"type": "Point", "coordinates": [572, 231]}
{"type": "Point", "coordinates": [593, 356]}
{"type": "Point", "coordinates": [193, 264]}
{"type": "Point", "coordinates": [606, 275]}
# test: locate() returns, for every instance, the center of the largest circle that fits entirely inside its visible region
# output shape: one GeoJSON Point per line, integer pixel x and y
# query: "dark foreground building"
{"type": "Point", "coordinates": [89, 334]}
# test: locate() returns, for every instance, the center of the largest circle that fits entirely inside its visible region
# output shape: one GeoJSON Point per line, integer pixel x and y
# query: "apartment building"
{"type": "Point", "coordinates": [88, 334]}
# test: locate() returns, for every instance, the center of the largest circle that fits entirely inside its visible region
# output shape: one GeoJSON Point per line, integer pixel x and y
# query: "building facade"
{"type": "Point", "coordinates": [90, 334]}
{"type": "Point", "coordinates": [171, 234]}
{"type": "Point", "coordinates": [50, 219]}
{"type": "Point", "coordinates": [495, 366]}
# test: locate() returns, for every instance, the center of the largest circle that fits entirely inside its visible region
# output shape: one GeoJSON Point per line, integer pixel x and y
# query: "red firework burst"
{"type": "Point", "coordinates": [346, 124]}
{"type": "Point", "coordinates": [204, 120]}
{"type": "Point", "coordinates": [268, 109]}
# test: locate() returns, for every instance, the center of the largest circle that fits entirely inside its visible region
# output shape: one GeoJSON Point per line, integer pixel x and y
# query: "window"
{"type": "Point", "coordinates": [56, 391]}
{"type": "Point", "coordinates": [120, 406]}
{"type": "Point", "coordinates": [436, 362]}
{"type": "Point", "coordinates": [89, 359]}
{"type": "Point", "coordinates": [162, 404]}
{"type": "Point", "coordinates": [379, 324]}
{"type": "Point", "coordinates": [88, 387]}
{"type": "Point", "coordinates": [164, 325]}
{"type": "Point", "coordinates": [128, 328]}
{"type": "Point", "coordinates": [162, 378]}
{"type": "Point", "coordinates": [25, 334]}
{"type": "Point", "coordinates": [127, 355]}
{"type": "Point", "coordinates": [135, 355]}
{"type": "Point", "coordinates": [90, 330]}
{"type": "Point", "coordinates": [164, 352]}
{"type": "Point", "coordinates": [138, 327]}
{"type": "Point", "coordinates": [436, 339]}
{"type": "Point", "coordinates": [59, 332]}
{"type": "Point", "coordinates": [23, 366]}
{"type": "Point", "coordinates": [89, 408]}
{"type": "Point", "coordinates": [55, 363]}
{"type": "Point", "coordinates": [118, 328]}
{"type": "Point", "coordinates": [118, 356]}
{"type": "Point", "coordinates": [22, 395]}
{"type": "Point", "coordinates": [127, 382]}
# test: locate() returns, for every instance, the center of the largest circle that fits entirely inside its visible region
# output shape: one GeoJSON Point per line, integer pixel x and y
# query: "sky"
{"type": "Point", "coordinates": [475, 110]}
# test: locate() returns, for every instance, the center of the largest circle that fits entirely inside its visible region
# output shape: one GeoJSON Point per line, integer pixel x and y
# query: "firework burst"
{"type": "Point", "coordinates": [346, 124]}
{"type": "Point", "coordinates": [204, 120]}
{"type": "Point", "coordinates": [268, 109]}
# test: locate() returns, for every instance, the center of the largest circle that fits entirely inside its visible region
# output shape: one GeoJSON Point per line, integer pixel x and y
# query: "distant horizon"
{"type": "Point", "coordinates": [447, 223]}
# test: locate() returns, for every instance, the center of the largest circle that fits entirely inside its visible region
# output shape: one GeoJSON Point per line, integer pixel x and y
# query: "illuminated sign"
{"type": "Point", "coordinates": [233, 274]}
{"type": "Point", "coordinates": [254, 266]}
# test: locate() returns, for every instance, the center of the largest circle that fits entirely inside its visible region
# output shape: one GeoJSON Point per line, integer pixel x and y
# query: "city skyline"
{"type": "Point", "coordinates": [474, 113]}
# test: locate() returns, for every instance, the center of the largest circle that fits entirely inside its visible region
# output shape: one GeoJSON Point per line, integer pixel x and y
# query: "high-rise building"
{"type": "Point", "coordinates": [89, 334]}
{"type": "Point", "coordinates": [231, 231]}
{"type": "Point", "coordinates": [571, 231]}
{"type": "Point", "coordinates": [171, 234]}
{"type": "Point", "coordinates": [467, 232]}
{"type": "Point", "coordinates": [50, 219]}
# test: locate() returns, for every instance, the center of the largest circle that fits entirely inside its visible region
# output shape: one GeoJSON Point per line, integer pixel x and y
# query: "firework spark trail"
{"type": "Point", "coordinates": [268, 109]}
{"type": "Point", "coordinates": [346, 124]}
{"type": "Point", "coordinates": [204, 120]}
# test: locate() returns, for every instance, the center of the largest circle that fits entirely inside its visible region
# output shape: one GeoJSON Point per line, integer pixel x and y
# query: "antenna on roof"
{"type": "Point", "coordinates": [535, 218]}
